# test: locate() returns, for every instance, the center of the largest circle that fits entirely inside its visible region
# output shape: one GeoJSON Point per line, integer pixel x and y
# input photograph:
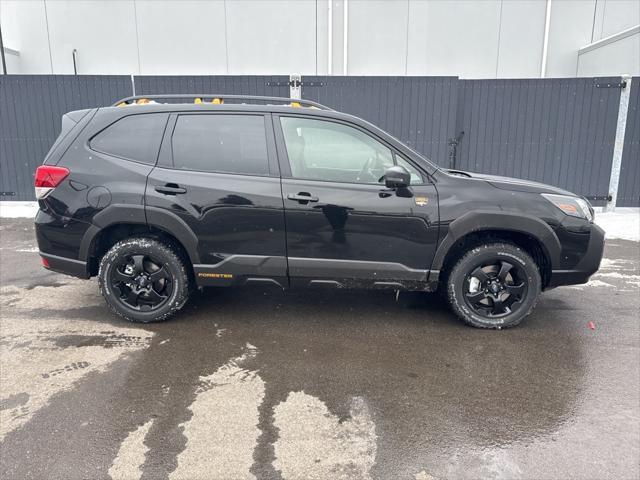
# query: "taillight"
{"type": "Point", "coordinates": [48, 177]}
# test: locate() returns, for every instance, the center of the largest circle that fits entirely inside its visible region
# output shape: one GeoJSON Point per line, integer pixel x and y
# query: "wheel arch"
{"type": "Point", "coordinates": [527, 232]}
{"type": "Point", "coordinates": [121, 221]}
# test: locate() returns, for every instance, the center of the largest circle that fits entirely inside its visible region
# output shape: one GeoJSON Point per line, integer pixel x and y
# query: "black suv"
{"type": "Point", "coordinates": [159, 198]}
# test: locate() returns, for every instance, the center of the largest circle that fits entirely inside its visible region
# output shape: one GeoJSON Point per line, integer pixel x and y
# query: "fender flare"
{"type": "Point", "coordinates": [158, 218]}
{"type": "Point", "coordinates": [486, 221]}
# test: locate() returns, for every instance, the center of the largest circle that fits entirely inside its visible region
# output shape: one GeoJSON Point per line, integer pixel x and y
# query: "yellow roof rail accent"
{"type": "Point", "coordinates": [295, 104]}
{"type": "Point", "coordinates": [197, 100]}
{"type": "Point", "coordinates": [143, 101]}
{"type": "Point", "coordinates": [217, 101]}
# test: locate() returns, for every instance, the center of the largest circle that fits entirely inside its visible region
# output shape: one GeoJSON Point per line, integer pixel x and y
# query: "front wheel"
{"type": "Point", "coordinates": [143, 280]}
{"type": "Point", "coordinates": [494, 286]}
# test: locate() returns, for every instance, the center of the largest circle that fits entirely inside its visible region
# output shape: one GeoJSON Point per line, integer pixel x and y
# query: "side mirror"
{"type": "Point", "coordinates": [397, 177]}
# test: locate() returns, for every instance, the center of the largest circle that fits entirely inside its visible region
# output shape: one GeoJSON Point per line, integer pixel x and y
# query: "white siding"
{"type": "Point", "coordinates": [200, 25]}
{"type": "Point", "coordinates": [272, 37]}
{"type": "Point", "coordinates": [466, 38]}
{"type": "Point", "coordinates": [571, 27]}
{"type": "Point", "coordinates": [377, 37]}
{"type": "Point", "coordinates": [103, 33]}
{"type": "Point", "coordinates": [454, 38]}
{"type": "Point", "coordinates": [619, 15]}
{"type": "Point", "coordinates": [521, 39]}
{"type": "Point", "coordinates": [24, 29]}
{"type": "Point", "coordinates": [612, 58]}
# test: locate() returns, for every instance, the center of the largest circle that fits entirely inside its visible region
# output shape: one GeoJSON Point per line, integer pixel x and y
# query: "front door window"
{"type": "Point", "coordinates": [329, 151]}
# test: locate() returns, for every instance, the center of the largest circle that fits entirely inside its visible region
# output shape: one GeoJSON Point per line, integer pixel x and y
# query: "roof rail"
{"type": "Point", "coordinates": [220, 99]}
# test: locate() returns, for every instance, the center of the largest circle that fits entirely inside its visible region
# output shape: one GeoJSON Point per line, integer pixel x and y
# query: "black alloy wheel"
{"type": "Point", "coordinates": [144, 279]}
{"type": "Point", "coordinates": [495, 289]}
{"type": "Point", "coordinates": [143, 283]}
{"type": "Point", "coordinates": [493, 285]}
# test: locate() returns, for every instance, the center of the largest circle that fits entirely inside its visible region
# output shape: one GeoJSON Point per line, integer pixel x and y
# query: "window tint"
{"type": "Point", "coordinates": [136, 137]}
{"type": "Point", "coordinates": [221, 143]}
{"type": "Point", "coordinates": [321, 150]}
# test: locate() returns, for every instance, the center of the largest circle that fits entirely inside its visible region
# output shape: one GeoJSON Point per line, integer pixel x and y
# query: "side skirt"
{"type": "Point", "coordinates": [312, 272]}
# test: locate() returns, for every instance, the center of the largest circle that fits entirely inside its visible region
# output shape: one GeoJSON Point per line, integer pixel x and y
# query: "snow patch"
{"type": "Point", "coordinates": [223, 430]}
{"type": "Point", "coordinates": [315, 444]}
{"type": "Point", "coordinates": [127, 464]}
{"type": "Point", "coordinates": [592, 283]}
{"type": "Point", "coordinates": [624, 223]}
{"type": "Point", "coordinates": [10, 209]}
{"type": "Point", "coordinates": [611, 264]}
{"type": "Point", "coordinates": [621, 276]}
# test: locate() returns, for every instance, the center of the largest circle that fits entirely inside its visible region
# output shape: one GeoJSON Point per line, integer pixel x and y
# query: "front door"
{"type": "Point", "coordinates": [343, 226]}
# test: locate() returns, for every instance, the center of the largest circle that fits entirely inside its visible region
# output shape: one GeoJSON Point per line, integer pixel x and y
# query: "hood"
{"type": "Point", "coordinates": [513, 184]}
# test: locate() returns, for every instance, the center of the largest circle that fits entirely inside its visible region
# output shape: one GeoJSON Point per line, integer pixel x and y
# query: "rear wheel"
{"type": "Point", "coordinates": [143, 280]}
{"type": "Point", "coordinates": [494, 286]}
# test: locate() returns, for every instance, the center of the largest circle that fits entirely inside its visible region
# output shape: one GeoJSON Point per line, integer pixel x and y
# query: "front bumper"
{"type": "Point", "coordinates": [586, 267]}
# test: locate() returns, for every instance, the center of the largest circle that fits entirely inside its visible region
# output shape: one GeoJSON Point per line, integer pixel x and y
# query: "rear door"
{"type": "Point", "coordinates": [343, 226]}
{"type": "Point", "coordinates": [218, 174]}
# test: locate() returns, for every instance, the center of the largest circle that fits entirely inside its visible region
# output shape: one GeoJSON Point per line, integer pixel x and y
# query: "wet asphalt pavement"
{"type": "Point", "coordinates": [315, 384]}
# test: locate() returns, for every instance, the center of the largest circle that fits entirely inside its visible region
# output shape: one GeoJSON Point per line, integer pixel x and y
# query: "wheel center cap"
{"type": "Point", "coordinates": [142, 281]}
{"type": "Point", "coordinates": [495, 288]}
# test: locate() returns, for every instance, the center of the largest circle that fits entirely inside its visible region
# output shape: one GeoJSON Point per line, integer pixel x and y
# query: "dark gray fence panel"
{"type": "Point", "coordinates": [556, 131]}
{"type": "Point", "coordinates": [420, 111]}
{"type": "Point", "coordinates": [629, 187]}
{"type": "Point", "coordinates": [276, 86]}
{"type": "Point", "coordinates": [31, 107]}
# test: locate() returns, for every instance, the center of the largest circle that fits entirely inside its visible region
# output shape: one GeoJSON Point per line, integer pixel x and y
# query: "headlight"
{"type": "Point", "coordinates": [574, 206]}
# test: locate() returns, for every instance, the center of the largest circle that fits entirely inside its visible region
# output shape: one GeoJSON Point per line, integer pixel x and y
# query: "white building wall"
{"type": "Point", "coordinates": [466, 38]}
{"type": "Point", "coordinates": [617, 15]}
{"type": "Point", "coordinates": [103, 33]}
{"type": "Point", "coordinates": [161, 23]}
{"type": "Point", "coordinates": [613, 53]}
{"type": "Point", "coordinates": [24, 28]}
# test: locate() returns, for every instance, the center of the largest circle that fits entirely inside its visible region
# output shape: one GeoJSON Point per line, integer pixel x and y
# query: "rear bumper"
{"type": "Point", "coordinates": [68, 266]}
{"type": "Point", "coordinates": [62, 236]}
{"type": "Point", "coordinates": [586, 267]}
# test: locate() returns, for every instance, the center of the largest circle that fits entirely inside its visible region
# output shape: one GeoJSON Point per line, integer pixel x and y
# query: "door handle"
{"type": "Point", "coordinates": [302, 197]}
{"type": "Point", "coordinates": [170, 189]}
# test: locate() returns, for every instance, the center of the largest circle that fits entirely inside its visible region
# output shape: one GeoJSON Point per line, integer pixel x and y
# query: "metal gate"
{"type": "Point", "coordinates": [629, 189]}
{"type": "Point", "coordinates": [556, 131]}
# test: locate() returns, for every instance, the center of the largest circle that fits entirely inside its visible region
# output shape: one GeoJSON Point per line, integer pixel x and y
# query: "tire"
{"type": "Point", "coordinates": [494, 285]}
{"type": "Point", "coordinates": [143, 280]}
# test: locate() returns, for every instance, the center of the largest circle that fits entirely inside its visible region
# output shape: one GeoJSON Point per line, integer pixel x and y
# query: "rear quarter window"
{"type": "Point", "coordinates": [222, 143]}
{"type": "Point", "coordinates": [135, 137]}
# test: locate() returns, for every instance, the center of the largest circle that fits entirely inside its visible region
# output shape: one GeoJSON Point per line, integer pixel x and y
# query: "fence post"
{"type": "Point", "coordinates": [618, 146]}
{"type": "Point", "coordinates": [295, 86]}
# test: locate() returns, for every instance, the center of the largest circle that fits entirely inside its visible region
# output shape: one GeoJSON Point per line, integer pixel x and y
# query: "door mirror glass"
{"type": "Point", "coordinates": [397, 177]}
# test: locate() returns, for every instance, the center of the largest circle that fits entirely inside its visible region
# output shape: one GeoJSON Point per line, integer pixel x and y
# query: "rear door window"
{"type": "Point", "coordinates": [222, 143]}
{"type": "Point", "coordinates": [135, 137]}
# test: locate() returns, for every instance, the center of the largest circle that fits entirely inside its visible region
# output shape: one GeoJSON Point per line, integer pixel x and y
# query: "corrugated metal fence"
{"type": "Point", "coordinates": [629, 188]}
{"type": "Point", "coordinates": [558, 131]}
{"type": "Point", "coordinates": [31, 107]}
